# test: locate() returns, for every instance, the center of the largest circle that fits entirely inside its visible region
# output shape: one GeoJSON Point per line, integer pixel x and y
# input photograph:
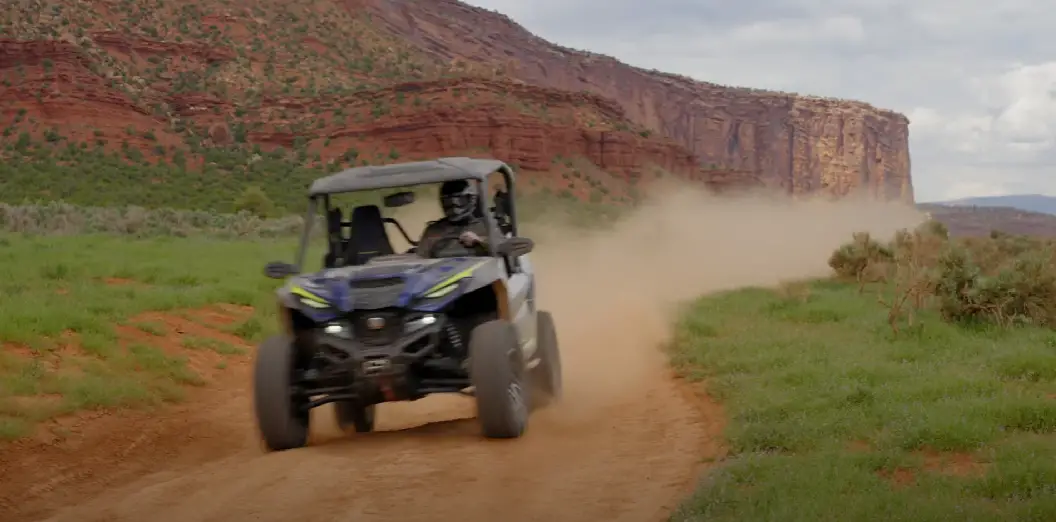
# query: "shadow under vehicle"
{"type": "Point", "coordinates": [375, 325]}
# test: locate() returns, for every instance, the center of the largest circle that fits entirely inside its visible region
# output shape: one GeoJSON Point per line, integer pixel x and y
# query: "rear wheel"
{"type": "Point", "coordinates": [498, 373]}
{"type": "Point", "coordinates": [547, 384]}
{"type": "Point", "coordinates": [349, 415]}
{"type": "Point", "coordinates": [281, 418]}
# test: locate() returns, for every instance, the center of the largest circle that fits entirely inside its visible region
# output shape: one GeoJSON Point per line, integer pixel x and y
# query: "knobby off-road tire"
{"type": "Point", "coordinates": [351, 416]}
{"type": "Point", "coordinates": [282, 423]}
{"type": "Point", "coordinates": [547, 384]}
{"type": "Point", "coordinates": [497, 370]}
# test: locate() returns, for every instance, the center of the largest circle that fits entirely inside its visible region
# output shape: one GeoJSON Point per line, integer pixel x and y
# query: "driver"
{"type": "Point", "coordinates": [459, 201]}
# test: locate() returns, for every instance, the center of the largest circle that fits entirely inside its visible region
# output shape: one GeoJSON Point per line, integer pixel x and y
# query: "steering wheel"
{"type": "Point", "coordinates": [447, 250]}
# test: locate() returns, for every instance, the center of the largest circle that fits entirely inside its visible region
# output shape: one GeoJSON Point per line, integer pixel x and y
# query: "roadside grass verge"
{"type": "Point", "coordinates": [833, 416]}
{"type": "Point", "coordinates": [103, 321]}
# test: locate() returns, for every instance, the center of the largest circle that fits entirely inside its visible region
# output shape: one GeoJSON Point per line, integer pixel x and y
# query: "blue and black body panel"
{"type": "Point", "coordinates": [386, 328]}
{"type": "Point", "coordinates": [415, 284]}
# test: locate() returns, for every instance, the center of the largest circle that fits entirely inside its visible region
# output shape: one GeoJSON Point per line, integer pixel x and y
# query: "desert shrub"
{"type": "Point", "coordinates": [255, 201]}
{"type": "Point", "coordinates": [1015, 286]}
{"type": "Point", "coordinates": [854, 259]}
{"type": "Point", "coordinates": [1002, 280]}
{"type": "Point", "coordinates": [63, 218]}
{"type": "Point", "coordinates": [909, 271]}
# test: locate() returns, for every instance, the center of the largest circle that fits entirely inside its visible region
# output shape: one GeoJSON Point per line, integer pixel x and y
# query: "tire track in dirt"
{"type": "Point", "coordinates": [625, 445]}
{"type": "Point", "coordinates": [625, 462]}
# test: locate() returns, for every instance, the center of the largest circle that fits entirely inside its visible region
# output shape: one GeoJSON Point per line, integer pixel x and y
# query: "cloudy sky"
{"type": "Point", "coordinates": [977, 78]}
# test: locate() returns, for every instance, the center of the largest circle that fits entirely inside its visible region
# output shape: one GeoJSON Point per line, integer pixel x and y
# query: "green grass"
{"type": "Point", "coordinates": [205, 343]}
{"type": "Point", "coordinates": [50, 285]}
{"type": "Point", "coordinates": [825, 402]}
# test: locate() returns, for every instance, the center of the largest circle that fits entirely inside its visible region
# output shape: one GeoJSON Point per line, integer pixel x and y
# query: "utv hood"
{"type": "Point", "coordinates": [404, 281]}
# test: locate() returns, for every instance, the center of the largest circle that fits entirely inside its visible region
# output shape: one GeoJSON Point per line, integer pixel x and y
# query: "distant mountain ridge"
{"type": "Point", "coordinates": [1027, 202]}
{"type": "Point", "coordinates": [964, 220]}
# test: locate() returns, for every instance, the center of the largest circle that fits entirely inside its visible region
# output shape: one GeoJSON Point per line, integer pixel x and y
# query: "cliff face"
{"type": "Point", "coordinates": [340, 82]}
{"type": "Point", "coordinates": [801, 144]}
{"type": "Point", "coordinates": [57, 91]}
{"type": "Point", "coordinates": [60, 98]}
{"type": "Point", "coordinates": [524, 125]}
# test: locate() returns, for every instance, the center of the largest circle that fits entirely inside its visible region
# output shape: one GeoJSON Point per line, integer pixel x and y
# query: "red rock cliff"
{"type": "Point", "coordinates": [802, 144]}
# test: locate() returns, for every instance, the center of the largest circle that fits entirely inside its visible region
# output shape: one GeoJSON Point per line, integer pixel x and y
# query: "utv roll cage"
{"type": "Point", "coordinates": [499, 213]}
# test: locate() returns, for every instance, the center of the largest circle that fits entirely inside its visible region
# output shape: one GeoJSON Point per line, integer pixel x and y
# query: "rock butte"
{"type": "Point", "coordinates": [619, 117]}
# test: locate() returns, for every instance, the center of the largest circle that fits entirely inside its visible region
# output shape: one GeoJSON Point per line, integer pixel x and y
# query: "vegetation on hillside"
{"type": "Point", "coordinates": [257, 214]}
{"type": "Point", "coordinates": [90, 176]}
{"type": "Point", "coordinates": [85, 175]}
{"type": "Point", "coordinates": [919, 385]}
{"type": "Point", "coordinates": [215, 105]}
{"type": "Point", "coordinates": [243, 53]}
{"type": "Point", "coordinates": [58, 218]}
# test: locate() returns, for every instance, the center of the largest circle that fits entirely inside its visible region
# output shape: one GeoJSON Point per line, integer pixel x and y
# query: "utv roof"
{"type": "Point", "coordinates": [404, 174]}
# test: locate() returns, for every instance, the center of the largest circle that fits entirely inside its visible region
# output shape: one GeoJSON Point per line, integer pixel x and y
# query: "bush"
{"type": "Point", "coordinates": [63, 218]}
{"type": "Point", "coordinates": [255, 201]}
{"type": "Point", "coordinates": [1019, 288]}
{"type": "Point", "coordinates": [1002, 280]}
{"type": "Point", "coordinates": [854, 259]}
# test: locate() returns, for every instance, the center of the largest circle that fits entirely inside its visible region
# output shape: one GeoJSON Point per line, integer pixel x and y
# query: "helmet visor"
{"type": "Point", "coordinates": [457, 205]}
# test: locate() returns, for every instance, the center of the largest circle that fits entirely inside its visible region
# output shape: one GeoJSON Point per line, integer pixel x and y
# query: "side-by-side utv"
{"type": "Point", "coordinates": [377, 326]}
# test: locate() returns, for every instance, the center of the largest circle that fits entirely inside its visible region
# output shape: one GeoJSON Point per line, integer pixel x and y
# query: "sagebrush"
{"type": "Point", "coordinates": [66, 219]}
{"type": "Point", "coordinates": [1002, 280]}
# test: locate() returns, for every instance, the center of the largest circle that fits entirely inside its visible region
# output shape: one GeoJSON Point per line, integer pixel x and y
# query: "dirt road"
{"type": "Point", "coordinates": [630, 459]}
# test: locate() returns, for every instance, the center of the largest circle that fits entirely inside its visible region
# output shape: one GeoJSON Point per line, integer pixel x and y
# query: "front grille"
{"type": "Point", "coordinates": [389, 331]}
{"type": "Point", "coordinates": [376, 293]}
{"type": "Point", "coordinates": [370, 284]}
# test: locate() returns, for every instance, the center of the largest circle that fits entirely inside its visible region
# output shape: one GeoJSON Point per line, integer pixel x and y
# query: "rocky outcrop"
{"type": "Point", "coordinates": [523, 124]}
{"type": "Point", "coordinates": [162, 87]}
{"type": "Point", "coordinates": [54, 88]}
{"type": "Point", "coordinates": [484, 116]}
{"type": "Point", "coordinates": [802, 144]}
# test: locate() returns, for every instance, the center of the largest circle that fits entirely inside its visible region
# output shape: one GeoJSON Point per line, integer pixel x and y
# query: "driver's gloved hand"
{"type": "Point", "coordinates": [469, 238]}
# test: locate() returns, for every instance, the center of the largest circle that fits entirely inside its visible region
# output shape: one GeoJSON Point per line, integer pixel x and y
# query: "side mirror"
{"type": "Point", "coordinates": [279, 270]}
{"type": "Point", "coordinates": [399, 199]}
{"type": "Point", "coordinates": [516, 246]}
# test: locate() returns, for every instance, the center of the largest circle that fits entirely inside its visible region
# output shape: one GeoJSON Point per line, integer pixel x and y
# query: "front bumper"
{"type": "Point", "coordinates": [371, 373]}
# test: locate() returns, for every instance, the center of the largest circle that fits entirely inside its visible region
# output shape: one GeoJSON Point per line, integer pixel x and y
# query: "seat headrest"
{"type": "Point", "coordinates": [366, 212]}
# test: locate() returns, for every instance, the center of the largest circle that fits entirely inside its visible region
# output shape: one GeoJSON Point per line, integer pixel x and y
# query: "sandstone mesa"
{"type": "Point", "coordinates": [448, 79]}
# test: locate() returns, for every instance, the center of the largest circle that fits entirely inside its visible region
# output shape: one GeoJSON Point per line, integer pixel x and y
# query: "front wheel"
{"type": "Point", "coordinates": [547, 384]}
{"type": "Point", "coordinates": [497, 370]}
{"type": "Point", "coordinates": [350, 415]}
{"type": "Point", "coordinates": [281, 417]}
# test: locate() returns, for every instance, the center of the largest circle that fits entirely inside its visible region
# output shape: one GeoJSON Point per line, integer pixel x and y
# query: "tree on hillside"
{"type": "Point", "coordinates": [255, 201]}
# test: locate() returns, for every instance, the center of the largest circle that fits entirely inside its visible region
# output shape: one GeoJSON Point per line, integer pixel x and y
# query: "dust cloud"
{"type": "Point", "coordinates": [615, 293]}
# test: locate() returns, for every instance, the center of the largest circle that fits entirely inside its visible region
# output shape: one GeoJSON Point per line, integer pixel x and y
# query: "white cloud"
{"type": "Point", "coordinates": [977, 78]}
{"type": "Point", "coordinates": [1029, 114]}
{"type": "Point", "coordinates": [835, 30]}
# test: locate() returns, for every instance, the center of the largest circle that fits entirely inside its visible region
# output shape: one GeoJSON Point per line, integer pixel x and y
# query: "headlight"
{"type": "Point", "coordinates": [314, 303]}
{"type": "Point", "coordinates": [442, 291]}
{"type": "Point", "coordinates": [338, 329]}
{"type": "Point", "coordinates": [419, 323]}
